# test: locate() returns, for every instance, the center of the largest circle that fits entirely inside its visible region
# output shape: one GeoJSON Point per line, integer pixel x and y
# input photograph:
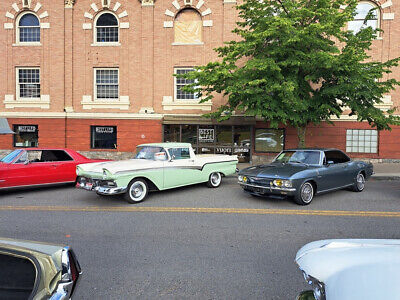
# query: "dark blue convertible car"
{"type": "Point", "coordinates": [303, 173]}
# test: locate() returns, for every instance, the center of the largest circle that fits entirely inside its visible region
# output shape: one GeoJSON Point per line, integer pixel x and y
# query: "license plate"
{"type": "Point", "coordinates": [88, 186]}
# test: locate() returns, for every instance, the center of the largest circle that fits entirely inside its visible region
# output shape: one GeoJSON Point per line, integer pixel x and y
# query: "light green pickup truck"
{"type": "Point", "coordinates": [155, 167]}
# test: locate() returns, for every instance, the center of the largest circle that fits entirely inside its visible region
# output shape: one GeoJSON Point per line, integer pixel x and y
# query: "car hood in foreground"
{"type": "Point", "coordinates": [275, 170]}
{"type": "Point", "coordinates": [354, 269]}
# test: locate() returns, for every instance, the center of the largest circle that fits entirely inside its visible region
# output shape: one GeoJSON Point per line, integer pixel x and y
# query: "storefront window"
{"type": "Point", "coordinates": [269, 140]}
{"type": "Point", "coordinates": [224, 140]}
{"type": "Point", "coordinates": [26, 136]}
{"type": "Point", "coordinates": [242, 143]}
{"type": "Point", "coordinates": [172, 133]}
{"type": "Point", "coordinates": [213, 139]}
{"type": "Point", "coordinates": [189, 134]}
{"type": "Point", "coordinates": [103, 137]}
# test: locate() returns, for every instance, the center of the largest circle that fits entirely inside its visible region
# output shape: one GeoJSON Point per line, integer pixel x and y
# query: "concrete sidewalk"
{"type": "Point", "coordinates": [389, 171]}
{"type": "Point", "coordinates": [383, 171]}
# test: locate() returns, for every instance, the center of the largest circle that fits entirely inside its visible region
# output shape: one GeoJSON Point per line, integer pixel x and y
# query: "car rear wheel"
{"type": "Point", "coordinates": [214, 180]}
{"type": "Point", "coordinates": [359, 183]}
{"type": "Point", "coordinates": [305, 194]}
{"type": "Point", "coordinates": [137, 191]}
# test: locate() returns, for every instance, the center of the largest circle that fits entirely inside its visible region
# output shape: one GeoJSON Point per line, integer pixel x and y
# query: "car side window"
{"type": "Point", "coordinates": [17, 277]}
{"type": "Point", "coordinates": [54, 155]}
{"type": "Point", "coordinates": [179, 153]}
{"type": "Point", "coordinates": [336, 157]}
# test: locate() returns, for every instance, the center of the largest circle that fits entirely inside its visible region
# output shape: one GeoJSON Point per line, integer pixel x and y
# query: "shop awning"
{"type": "Point", "coordinates": [4, 127]}
{"type": "Point", "coordinates": [196, 120]}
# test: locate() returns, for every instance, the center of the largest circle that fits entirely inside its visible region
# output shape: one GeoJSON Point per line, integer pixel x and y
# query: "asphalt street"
{"type": "Point", "coordinates": [195, 242]}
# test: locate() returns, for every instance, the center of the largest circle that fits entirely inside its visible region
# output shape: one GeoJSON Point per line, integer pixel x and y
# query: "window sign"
{"type": "Point", "coordinates": [26, 136]}
{"type": "Point", "coordinates": [104, 129]}
{"type": "Point", "coordinates": [206, 135]}
{"type": "Point", "coordinates": [26, 128]}
{"type": "Point", "coordinates": [103, 137]}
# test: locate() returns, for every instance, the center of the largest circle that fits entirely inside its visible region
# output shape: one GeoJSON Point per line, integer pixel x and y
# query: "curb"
{"type": "Point", "coordinates": [385, 177]}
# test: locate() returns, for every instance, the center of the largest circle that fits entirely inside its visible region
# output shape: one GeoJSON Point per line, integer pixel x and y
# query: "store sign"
{"type": "Point", "coordinates": [223, 150]}
{"type": "Point", "coordinates": [206, 135]}
{"type": "Point", "coordinates": [104, 129]}
{"type": "Point", "coordinates": [27, 128]}
{"type": "Point", "coordinates": [240, 150]}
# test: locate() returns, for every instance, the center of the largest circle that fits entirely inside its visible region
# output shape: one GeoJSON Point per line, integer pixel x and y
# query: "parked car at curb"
{"type": "Point", "coordinates": [356, 269]}
{"type": "Point", "coordinates": [155, 167]}
{"type": "Point", "coordinates": [34, 270]}
{"type": "Point", "coordinates": [303, 173]}
{"type": "Point", "coordinates": [40, 166]}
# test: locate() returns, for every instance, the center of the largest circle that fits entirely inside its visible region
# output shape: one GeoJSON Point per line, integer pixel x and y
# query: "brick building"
{"type": "Point", "coordinates": [97, 76]}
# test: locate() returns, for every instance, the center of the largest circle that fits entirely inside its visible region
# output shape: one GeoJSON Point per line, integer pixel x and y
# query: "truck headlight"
{"type": "Point", "coordinates": [240, 178]}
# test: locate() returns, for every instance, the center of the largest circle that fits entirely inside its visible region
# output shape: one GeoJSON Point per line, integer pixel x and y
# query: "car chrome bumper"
{"type": "Point", "coordinates": [267, 189]}
{"type": "Point", "coordinates": [110, 190]}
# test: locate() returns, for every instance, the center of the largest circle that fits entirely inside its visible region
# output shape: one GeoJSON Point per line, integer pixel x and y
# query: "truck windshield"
{"type": "Point", "coordinates": [147, 152]}
{"type": "Point", "coordinates": [9, 158]}
{"type": "Point", "coordinates": [299, 156]}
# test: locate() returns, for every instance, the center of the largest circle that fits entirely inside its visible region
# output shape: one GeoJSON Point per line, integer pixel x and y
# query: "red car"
{"type": "Point", "coordinates": [35, 166]}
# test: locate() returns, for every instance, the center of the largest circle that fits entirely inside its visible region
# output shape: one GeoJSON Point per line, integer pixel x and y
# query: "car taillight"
{"type": "Point", "coordinates": [74, 271]}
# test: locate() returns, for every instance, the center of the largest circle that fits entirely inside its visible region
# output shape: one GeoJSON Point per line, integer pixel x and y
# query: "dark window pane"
{"type": "Point", "coordinates": [336, 157]}
{"type": "Point", "coordinates": [17, 277]}
{"type": "Point", "coordinates": [172, 133]}
{"type": "Point", "coordinates": [107, 20]}
{"type": "Point", "coordinates": [269, 140]}
{"type": "Point", "coordinates": [26, 136]}
{"type": "Point", "coordinates": [104, 137]}
{"type": "Point", "coordinates": [29, 20]}
{"type": "Point", "coordinates": [189, 134]}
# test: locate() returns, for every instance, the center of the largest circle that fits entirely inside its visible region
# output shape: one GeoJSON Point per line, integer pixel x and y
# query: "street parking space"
{"type": "Point", "coordinates": [195, 242]}
{"type": "Point", "coordinates": [379, 195]}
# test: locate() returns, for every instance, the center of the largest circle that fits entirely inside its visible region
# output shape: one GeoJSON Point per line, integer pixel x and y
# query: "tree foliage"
{"type": "Point", "coordinates": [295, 63]}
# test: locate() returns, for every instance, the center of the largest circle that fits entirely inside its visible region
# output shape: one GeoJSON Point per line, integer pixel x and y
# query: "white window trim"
{"type": "Point", "coordinates": [379, 12]}
{"type": "Point", "coordinates": [176, 87]}
{"type": "Point", "coordinates": [95, 42]}
{"type": "Point", "coordinates": [17, 91]}
{"type": "Point", "coordinates": [17, 31]}
{"type": "Point", "coordinates": [111, 100]}
{"type": "Point", "coordinates": [350, 145]}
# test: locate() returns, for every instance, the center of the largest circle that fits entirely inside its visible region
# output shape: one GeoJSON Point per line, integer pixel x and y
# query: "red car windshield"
{"type": "Point", "coordinates": [9, 158]}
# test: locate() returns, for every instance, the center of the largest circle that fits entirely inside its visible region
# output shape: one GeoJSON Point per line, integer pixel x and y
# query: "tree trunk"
{"type": "Point", "coordinates": [301, 134]}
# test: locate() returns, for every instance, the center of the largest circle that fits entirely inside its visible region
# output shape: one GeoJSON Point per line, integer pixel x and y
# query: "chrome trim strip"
{"type": "Point", "coordinates": [283, 189]}
{"type": "Point", "coordinates": [34, 185]}
{"type": "Point", "coordinates": [172, 167]}
{"type": "Point", "coordinates": [336, 188]}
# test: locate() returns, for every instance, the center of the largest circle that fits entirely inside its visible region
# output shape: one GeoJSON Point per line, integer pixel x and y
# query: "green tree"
{"type": "Point", "coordinates": [294, 63]}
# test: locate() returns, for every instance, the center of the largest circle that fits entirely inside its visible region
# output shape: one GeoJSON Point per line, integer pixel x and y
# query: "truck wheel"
{"type": "Point", "coordinates": [214, 180]}
{"type": "Point", "coordinates": [359, 183]}
{"type": "Point", "coordinates": [137, 191]}
{"type": "Point", "coordinates": [305, 194]}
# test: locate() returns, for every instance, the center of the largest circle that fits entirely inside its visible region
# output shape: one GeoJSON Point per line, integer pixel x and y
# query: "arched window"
{"type": "Point", "coordinates": [188, 27]}
{"type": "Point", "coordinates": [28, 29]}
{"type": "Point", "coordinates": [362, 10]}
{"type": "Point", "coordinates": [107, 29]}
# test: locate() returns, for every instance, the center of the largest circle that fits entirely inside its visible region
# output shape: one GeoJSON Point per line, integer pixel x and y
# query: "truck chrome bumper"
{"type": "Point", "coordinates": [110, 190]}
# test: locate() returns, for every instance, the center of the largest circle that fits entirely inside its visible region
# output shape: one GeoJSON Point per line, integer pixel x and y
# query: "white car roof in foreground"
{"type": "Point", "coordinates": [354, 268]}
